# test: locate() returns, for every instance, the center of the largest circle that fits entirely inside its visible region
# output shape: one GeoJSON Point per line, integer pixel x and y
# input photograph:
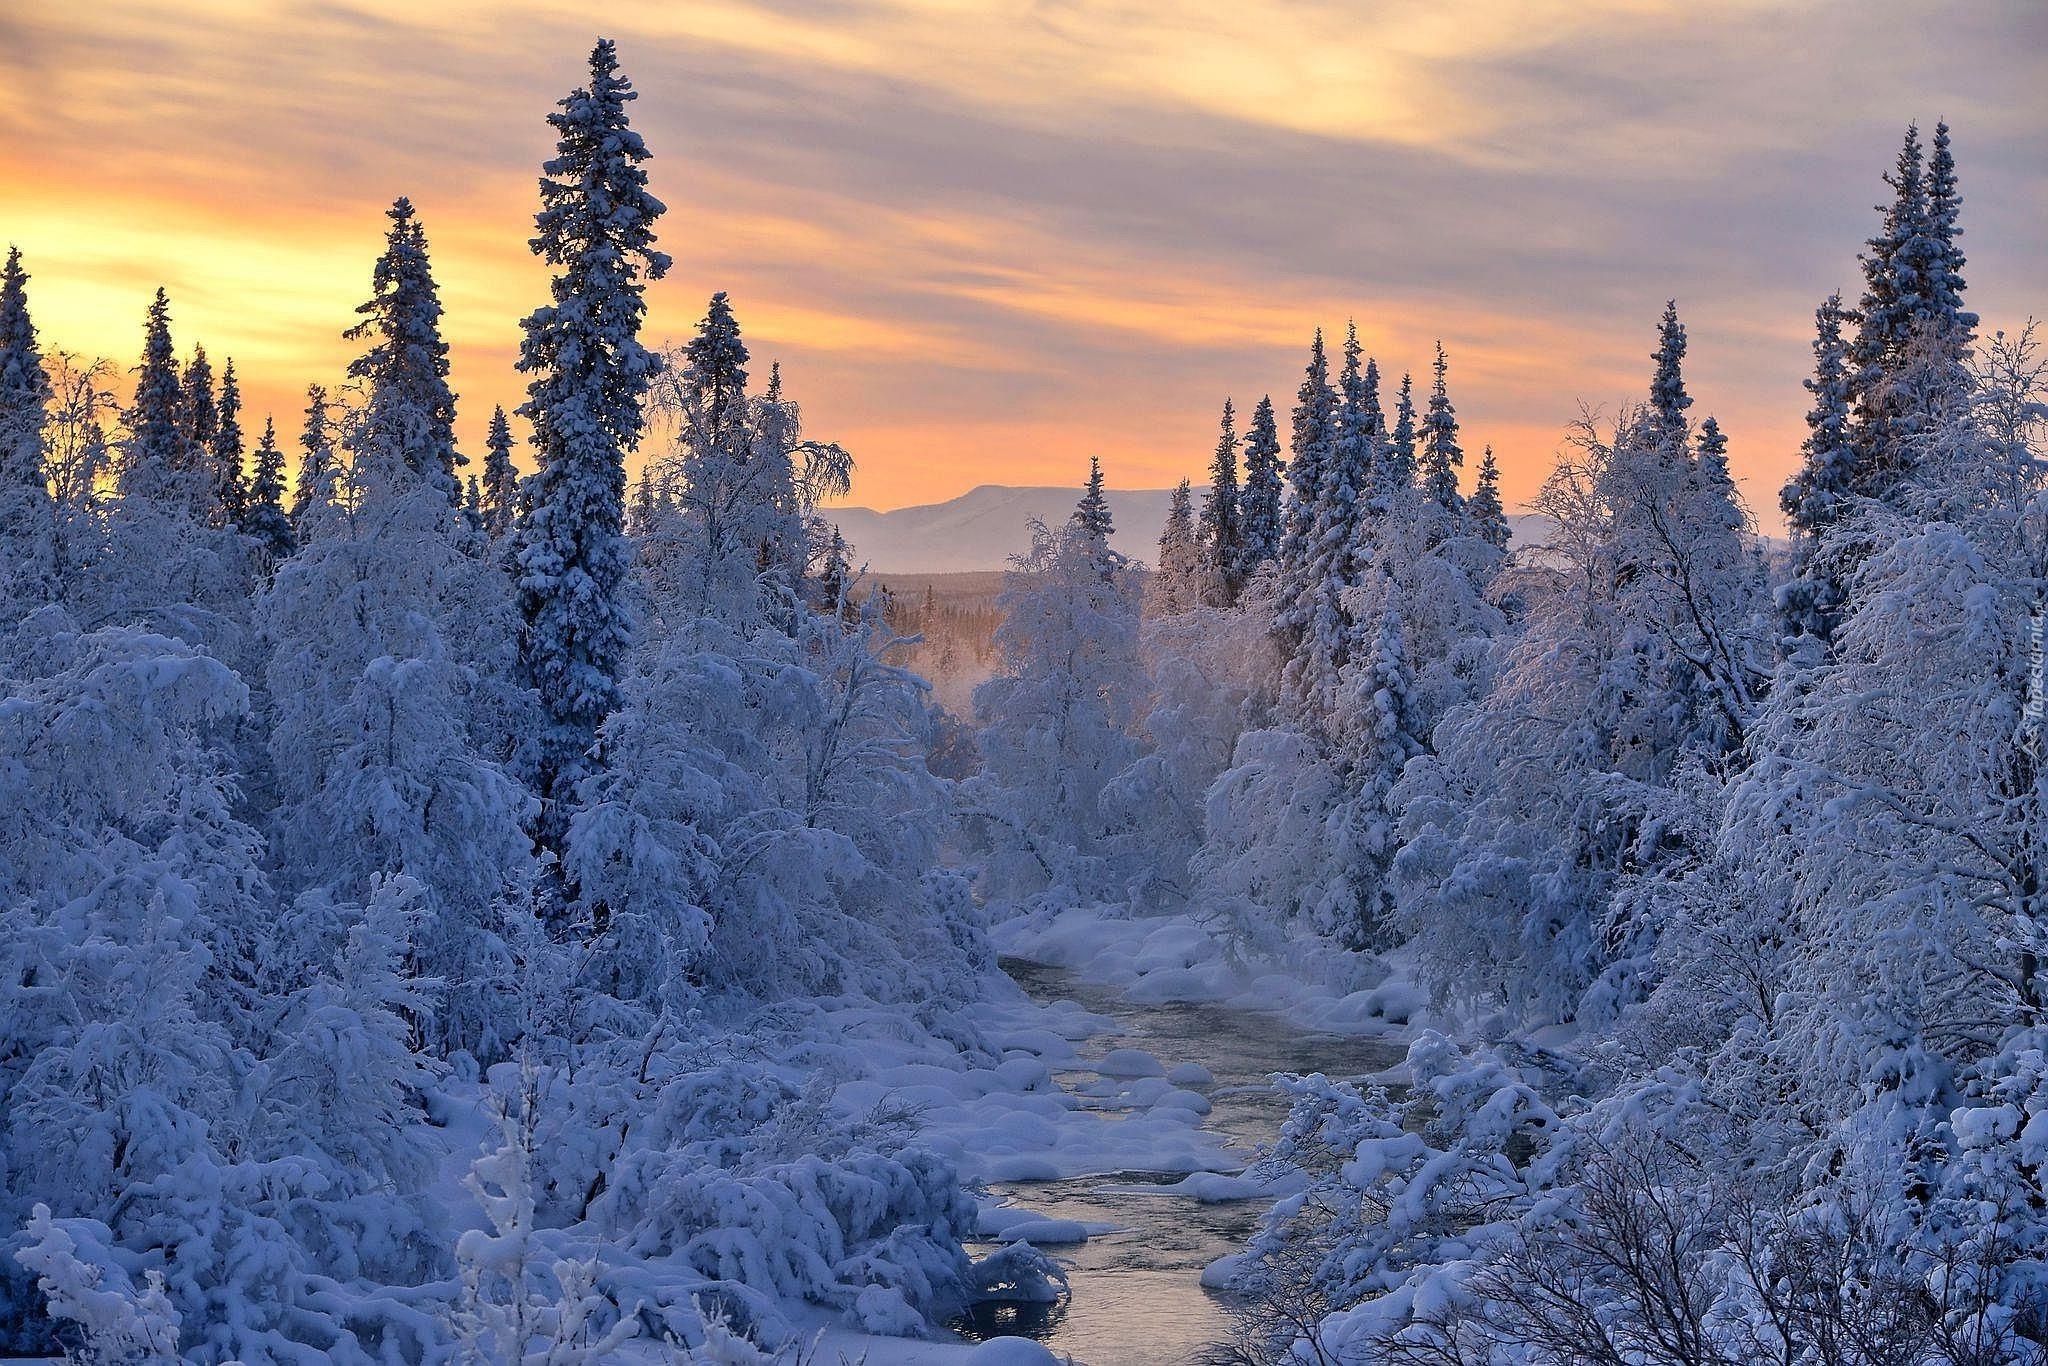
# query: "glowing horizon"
{"type": "Point", "coordinates": [988, 241]}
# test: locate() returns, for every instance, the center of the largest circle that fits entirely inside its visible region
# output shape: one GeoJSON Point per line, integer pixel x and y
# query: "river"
{"type": "Point", "coordinates": [1137, 1296]}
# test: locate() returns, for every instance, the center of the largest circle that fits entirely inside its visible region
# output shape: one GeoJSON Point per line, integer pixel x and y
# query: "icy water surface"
{"type": "Point", "coordinates": [1137, 1297]}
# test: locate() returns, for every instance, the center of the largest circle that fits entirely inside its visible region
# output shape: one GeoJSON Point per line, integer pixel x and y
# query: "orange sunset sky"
{"type": "Point", "coordinates": [988, 240]}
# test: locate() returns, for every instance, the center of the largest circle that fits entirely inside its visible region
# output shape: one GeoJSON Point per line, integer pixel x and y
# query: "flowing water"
{"type": "Point", "coordinates": [1137, 1297]}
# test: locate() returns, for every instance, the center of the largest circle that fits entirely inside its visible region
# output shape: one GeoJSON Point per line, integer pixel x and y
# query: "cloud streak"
{"type": "Point", "coordinates": [989, 239]}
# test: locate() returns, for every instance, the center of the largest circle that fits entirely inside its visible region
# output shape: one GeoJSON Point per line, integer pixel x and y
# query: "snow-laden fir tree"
{"type": "Point", "coordinates": [200, 410]}
{"type": "Point", "coordinates": [316, 453]}
{"type": "Point", "coordinates": [1177, 576]}
{"type": "Point", "coordinates": [163, 554]}
{"type": "Point", "coordinates": [1221, 530]}
{"type": "Point", "coordinates": [1669, 426]}
{"type": "Point", "coordinates": [224, 454]}
{"type": "Point", "coordinates": [835, 575]}
{"type": "Point", "coordinates": [411, 408]}
{"type": "Point", "coordinates": [1313, 450]}
{"type": "Point", "coordinates": [1439, 457]}
{"type": "Point", "coordinates": [1335, 539]}
{"type": "Point", "coordinates": [1092, 514]}
{"type": "Point", "coordinates": [265, 518]}
{"type": "Point", "coordinates": [1383, 728]}
{"type": "Point", "coordinates": [717, 368]}
{"type": "Point", "coordinates": [498, 495]}
{"type": "Point", "coordinates": [27, 529]}
{"type": "Point", "coordinates": [1400, 462]}
{"type": "Point", "coordinates": [1259, 505]}
{"type": "Point", "coordinates": [589, 375]}
{"type": "Point", "coordinates": [156, 461]}
{"type": "Point", "coordinates": [1944, 210]}
{"type": "Point", "coordinates": [1484, 511]}
{"type": "Point", "coordinates": [1911, 334]}
{"type": "Point", "coordinates": [1347, 510]}
{"type": "Point", "coordinates": [1819, 492]}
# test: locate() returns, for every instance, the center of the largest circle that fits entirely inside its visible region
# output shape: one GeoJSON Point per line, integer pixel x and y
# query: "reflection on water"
{"type": "Point", "coordinates": [1137, 1297]}
{"type": "Point", "coordinates": [1011, 1318]}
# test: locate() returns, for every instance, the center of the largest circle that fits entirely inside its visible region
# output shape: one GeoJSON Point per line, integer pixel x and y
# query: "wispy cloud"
{"type": "Point", "coordinates": [987, 239]}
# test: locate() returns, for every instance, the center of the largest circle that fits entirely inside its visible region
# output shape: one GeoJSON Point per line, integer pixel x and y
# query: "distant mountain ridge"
{"type": "Point", "coordinates": [987, 525]}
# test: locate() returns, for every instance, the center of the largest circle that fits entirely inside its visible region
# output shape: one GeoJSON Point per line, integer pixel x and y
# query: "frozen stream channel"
{"type": "Point", "coordinates": [1137, 1297]}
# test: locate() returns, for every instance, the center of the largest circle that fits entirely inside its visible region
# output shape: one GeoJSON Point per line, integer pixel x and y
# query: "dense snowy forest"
{"type": "Point", "coordinates": [542, 919]}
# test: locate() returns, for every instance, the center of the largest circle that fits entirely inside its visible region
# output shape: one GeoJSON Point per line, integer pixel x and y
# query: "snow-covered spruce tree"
{"type": "Point", "coordinates": [1062, 711]}
{"type": "Point", "coordinates": [1300, 584]}
{"type": "Point", "coordinates": [265, 518]}
{"type": "Point", "coordinates": [1818, 493]}
{"type": "Point", "coordinates": [1259, 505]}
{"type": "Point", "coordinates": [1669, 426]}
{"type": "Point", "coordinates": [156, 461]}
{"type": "Point", "coordinates": [1220, 532]}
{"type": "Point", "coordinates": [1092, 514]}
{"type": "Point", "coordinates": [409, 407]}
{"type": "Point", "coordinates": [498, 495]}
{"type": "Point", "coordinates": [1400, 463]}
{"type": "Point", "coordinates": [1439, 457]}
{"type": "Point", "coordinates": [224, 454]}
{"type": "Point", "coordinates": [1338, 541]}
{"type": "Point", "coordinates": [835, 575]}
{"type": "Point", "coordinates": [27, 515]}
{"type": "Point", "coordinates": [766, 782]}
{"type": "Point", "coordinates": [316, 454]}
{"type": "Point", "coordinates": [800, 474]}
{"type": "Point", "coordinates": [1176, 582]}
{"type": "Point", "coordinates": [1912, 335]}
{"type": "Point", "coordinates": [1484, 510]}
{"type": "Point", "coordinates": [199, 414]}
{"type": "Point", "coordinates": [589, 375]}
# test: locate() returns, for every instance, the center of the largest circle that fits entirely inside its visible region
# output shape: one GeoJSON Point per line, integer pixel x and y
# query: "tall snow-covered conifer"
{"type": "Point", "coordinates": [1177, 574]}
{"type": "Point", "coordinates": [1668, 399]}
{"type": "Point", "coordinates": [1400, 463]}
{"type": "Point", "coordinates": [1488, 516]}
{"type": "Point", "coordinates": [316, 453]}
{"type": "Point", "coordinates": [224, 453]}
{"type": "Point", "coordinates": [1818, 494]}
{"type": "Point", "coordinates": [589, 376]}
{"type": "Point", "coordinates": [1220, 532]}
{"type": "Point", "coordinates": [25, 510]}
{"type": "Point", "coordinates": [156, 464]}
{"type": "Point", "coordinates": [1315, 434]}
{"type": "Point", "coordinates": [1259, 504]}
{"type": "Point", "coordinates": [265, 518]}
{"type": "Point", "coordinates": [1091, 514]}
{"type": "Point", "coordinates": [1440, 456]}
{"type": "Point", "coordinates": [198, 409]}
{"type": "Point", "coordinates": [499, 495]}
{"type": "Point", "coordinates": [717, 378]}
{"type": "Point", "coordinates": [411, 411]}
